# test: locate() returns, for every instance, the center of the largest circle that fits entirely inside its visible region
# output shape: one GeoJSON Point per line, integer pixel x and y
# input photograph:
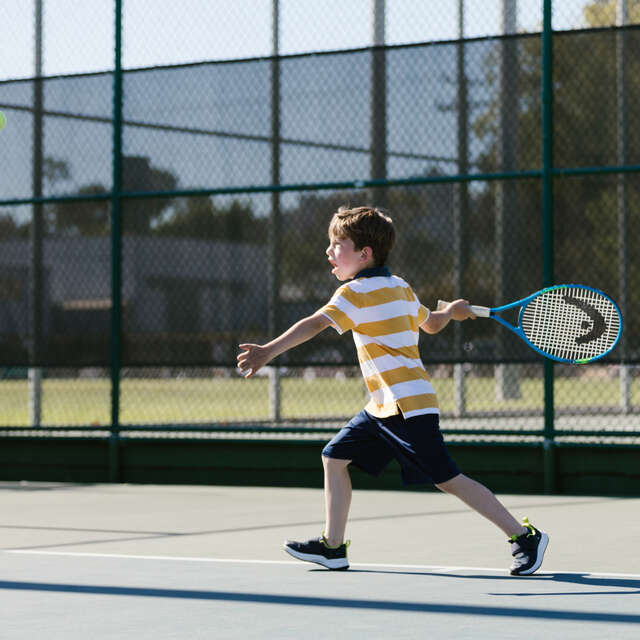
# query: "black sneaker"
{"type": "Point", "coordinates": [528, 550]}
{"type": "Point", "coordinates": [317, 550]}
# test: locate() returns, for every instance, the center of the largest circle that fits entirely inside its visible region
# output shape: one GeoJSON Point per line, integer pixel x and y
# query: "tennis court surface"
{"type": "Point", "coordinates": [124, 561]}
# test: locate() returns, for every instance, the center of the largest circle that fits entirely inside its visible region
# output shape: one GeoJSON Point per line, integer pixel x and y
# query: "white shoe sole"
{"type": "Point", "coordinates": [542, 547]}
{"type": "Point", "coordinates": [329, 563]}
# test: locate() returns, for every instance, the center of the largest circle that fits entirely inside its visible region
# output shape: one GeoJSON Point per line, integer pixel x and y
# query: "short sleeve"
{"type": "Point", "coordinates": [340, 311]}
{"type": "Point", "coordinates": [423, 312]}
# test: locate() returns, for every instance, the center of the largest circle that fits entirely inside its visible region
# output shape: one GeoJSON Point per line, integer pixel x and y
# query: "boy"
{"type": "Point", "coordinates": [401, 419]}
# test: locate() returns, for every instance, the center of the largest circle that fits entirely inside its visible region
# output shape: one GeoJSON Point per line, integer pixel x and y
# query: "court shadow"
{"type": "Point", "coordinates": [630, 585]}
{"type": "Point", "coordinates": [439, 574]}
{"type": "Point", "coordinates": [328, 602]}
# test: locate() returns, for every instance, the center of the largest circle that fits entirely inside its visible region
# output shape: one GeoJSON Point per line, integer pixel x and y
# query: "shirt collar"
{"type": "Point", "coordinates": [372, 272]}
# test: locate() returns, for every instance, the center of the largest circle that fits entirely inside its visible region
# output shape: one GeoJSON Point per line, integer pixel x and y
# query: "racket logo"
{"type": "Point", "coordinates": [599, 325]}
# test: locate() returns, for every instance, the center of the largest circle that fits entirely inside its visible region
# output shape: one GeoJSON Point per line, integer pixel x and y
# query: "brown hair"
{"type": "Point", "coordinates": [366, 227]}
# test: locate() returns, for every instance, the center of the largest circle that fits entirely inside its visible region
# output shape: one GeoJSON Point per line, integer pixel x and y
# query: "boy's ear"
{"type": "Point", "coordinates": [366, 253]}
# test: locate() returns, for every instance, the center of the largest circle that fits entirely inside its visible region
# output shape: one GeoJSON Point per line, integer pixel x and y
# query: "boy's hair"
{"type": "Point", "coordinates": [367, 227]}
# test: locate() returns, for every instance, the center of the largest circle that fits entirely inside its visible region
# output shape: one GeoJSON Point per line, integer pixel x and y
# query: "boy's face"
{"type": "Point", "coordinates": [346, 259]}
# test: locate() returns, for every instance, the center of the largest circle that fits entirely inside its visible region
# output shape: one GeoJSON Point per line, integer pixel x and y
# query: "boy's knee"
{"type": "Point", "coordinates": [451, 485]}
{"type": "Point", "coordinates": [334, 463]}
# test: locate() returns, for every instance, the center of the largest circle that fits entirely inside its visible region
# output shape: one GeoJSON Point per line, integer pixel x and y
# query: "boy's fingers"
{"type": "Point", "coordinates": [247, 359]}
{"type": "Point", "coordinates": [245, 370]}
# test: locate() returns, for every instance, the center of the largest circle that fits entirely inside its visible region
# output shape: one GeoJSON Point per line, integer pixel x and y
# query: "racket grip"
{"type": "Point", "coordinates": [480, 312]}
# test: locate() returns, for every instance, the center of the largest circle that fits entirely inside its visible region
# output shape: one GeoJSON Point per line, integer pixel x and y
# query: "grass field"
{"type": "Point", "coordinates": [193, 400]}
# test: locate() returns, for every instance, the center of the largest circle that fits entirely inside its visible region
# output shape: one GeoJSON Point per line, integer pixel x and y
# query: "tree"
{"type": "Point", "coordinates": [55, 170]}
{"type": "Point", "coordinates": [138, 175]}
{"type": "Point", "coordinates": [85, 217]}
{"type": "Point", "coordinates": [602, 13]}
{"type": "Point", "coordinates": [93, 217]}
{"type": "Point", "coordinates": [10, 229]}
{"type": "Point", "coordinates": [201, 218]}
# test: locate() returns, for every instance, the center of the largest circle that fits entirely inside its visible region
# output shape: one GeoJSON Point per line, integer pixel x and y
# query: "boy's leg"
{"type": "Point", "coordinates": [528, 544]}
{"type": "Point", "coordinates": [329, 550]}
{"type": "Point", "coordinates": [337, 499]}
{"type": "Point", "coordinates": [479, 498]}
{"type": "Point", "coordinates": [357, 442]}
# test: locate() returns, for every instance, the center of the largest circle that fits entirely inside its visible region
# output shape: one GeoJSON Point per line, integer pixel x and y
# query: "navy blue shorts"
{"type": "Point", "coordinates": [416, 443]}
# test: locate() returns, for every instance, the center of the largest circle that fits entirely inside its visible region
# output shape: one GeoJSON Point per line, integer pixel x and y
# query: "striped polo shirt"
{"type": "Point", "coordinates": [384, 316]}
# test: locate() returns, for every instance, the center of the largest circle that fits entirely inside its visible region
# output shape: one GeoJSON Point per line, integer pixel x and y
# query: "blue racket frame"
{"type": "Point", "coordinates": [525, 301]}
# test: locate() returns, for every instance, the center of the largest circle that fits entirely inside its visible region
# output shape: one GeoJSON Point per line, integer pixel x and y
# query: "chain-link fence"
{"type": "Point", "coordinates": [164, 204]}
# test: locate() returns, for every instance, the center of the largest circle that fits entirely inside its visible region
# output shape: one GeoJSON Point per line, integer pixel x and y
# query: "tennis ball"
{"type": "Point", "coordinates": [3, 120]}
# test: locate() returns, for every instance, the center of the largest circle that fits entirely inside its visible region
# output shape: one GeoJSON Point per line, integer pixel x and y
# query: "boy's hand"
{"type": "Point", "coordinates": [252, 359]}
{"type": "Point", "coordinates": [439, 319]}
{"type": "Point", "coordinates": [460, 310]}
{"type": "Point", "coordinates": [255, 356]}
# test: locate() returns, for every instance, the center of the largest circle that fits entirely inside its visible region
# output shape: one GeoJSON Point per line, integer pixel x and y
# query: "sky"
{"type": "Point", "coordinates": [78, 34]}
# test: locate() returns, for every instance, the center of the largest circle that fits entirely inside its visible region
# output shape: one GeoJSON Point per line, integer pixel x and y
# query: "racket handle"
{"type": "Point", "coordinates": [480, 312]}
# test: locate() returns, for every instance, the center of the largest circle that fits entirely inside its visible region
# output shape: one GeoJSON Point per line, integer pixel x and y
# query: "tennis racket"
{"type": "Point", "coordinates": [567, 322]}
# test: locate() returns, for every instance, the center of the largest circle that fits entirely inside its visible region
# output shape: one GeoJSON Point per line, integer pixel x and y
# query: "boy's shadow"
{"type": "Point", "coordinates": [630, 585]}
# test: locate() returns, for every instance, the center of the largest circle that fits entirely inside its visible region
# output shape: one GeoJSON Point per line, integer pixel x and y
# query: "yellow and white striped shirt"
{"type": "Point", "coordinates": [384, 315]}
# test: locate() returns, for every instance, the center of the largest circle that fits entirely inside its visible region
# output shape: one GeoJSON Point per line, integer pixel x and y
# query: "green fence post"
{"type": "Point", "coordinates": [547, 235]}
{"type": "Point", "coordinates": [116, 252]}
{"type": "Point", "coordinates": [37, 274]}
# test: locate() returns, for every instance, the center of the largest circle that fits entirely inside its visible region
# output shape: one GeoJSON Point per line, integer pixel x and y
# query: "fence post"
{"type": "Point", "coordinates": [38, 290]}
{"type": "Point", "coordinates": [275, 394]}
{"type": "Point", "coordinates": [507, 377]}
{"type": "Point", "coordinates": [116, 252]}
{"type": "Point", "coordinates": [378, 167]}
{"type": "Point", "coordinates": [547, 235]}
{"type": "Point", "coordinates": [274, 227]}
{"type": "Point", "coordinates": [460, 213]}
{"type": "Point", "coordinates": [622, 19]}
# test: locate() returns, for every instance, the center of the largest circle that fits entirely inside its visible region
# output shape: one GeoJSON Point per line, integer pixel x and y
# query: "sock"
{"type": "Point", "coordinates": [515, 536]}
{"type": "Point", "coordinates": [326, 543]}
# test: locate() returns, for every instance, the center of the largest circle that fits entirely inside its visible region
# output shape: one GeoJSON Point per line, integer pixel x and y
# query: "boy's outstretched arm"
{"type": "Point", "coordinates": [438, 320]}
{"type": "Point", "coordinates": [256, 356]}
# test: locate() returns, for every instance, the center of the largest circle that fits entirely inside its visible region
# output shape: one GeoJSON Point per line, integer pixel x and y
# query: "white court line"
{"type": "Point", "coordinates": [414, 567]}
{"type": "Point", "coordinates": [138, 557]}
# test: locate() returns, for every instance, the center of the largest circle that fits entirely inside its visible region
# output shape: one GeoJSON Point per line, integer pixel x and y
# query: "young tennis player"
{"type": "Point", "coordinates": [401, 419]}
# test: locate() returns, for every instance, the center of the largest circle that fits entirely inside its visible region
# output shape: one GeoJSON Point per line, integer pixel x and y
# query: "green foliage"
{"type": "Point", "coordinates": [203, 218]}
{"type": "Point", "coordinates": [139, 175]}
{"type": "Point", "coordinates": [85, 218]}
{"type": "Point", "coordinates": [179, 218]}
{"type": "Point", "coordinates": [10, 229]}
{"type": "Point", "coordinates": [602, 13]}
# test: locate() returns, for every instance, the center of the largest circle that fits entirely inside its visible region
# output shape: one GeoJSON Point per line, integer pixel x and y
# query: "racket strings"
{"type": "Point", "coordinates": [554, 320]}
